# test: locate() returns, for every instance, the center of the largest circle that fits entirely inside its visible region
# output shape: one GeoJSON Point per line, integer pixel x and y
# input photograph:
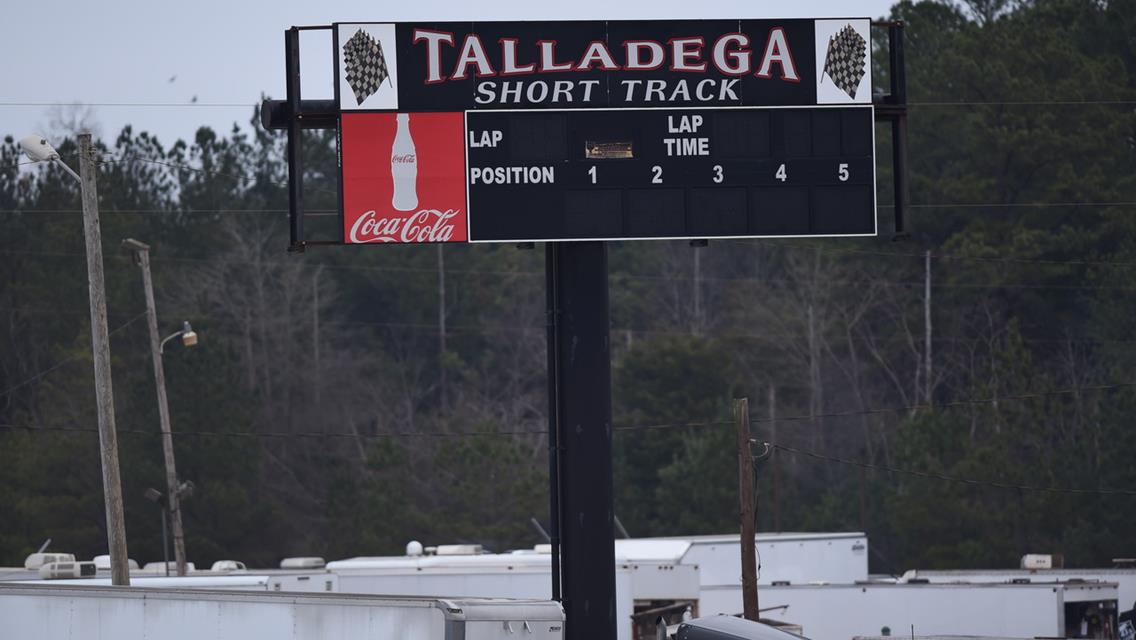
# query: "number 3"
{"type": "Point", "coordinates": [718, 176]}
{"type": "Point", "coordinates": [842, 172]}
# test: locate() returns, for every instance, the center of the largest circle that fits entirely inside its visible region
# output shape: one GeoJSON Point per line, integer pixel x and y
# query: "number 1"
{"type": "Point", "coordinates": [592, 172]}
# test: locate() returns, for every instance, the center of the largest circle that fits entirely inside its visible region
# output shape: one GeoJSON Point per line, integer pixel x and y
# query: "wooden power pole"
{"type": "Point", "coordinates": [100, 345]}
{"type": "Point", "coordinates": [173, 496]}
{"type": "Point", "coordinates": [748, 508]}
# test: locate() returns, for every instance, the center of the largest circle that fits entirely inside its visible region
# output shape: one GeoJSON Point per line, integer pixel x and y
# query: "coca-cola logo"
{"type": "Point", "coordinates": [427, 225]}
{"type": "Point", "coordinates": [403, 158]}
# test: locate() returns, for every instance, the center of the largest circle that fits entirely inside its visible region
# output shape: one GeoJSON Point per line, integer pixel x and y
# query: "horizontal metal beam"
{"type": "Point", "coordinates": [314, 114]}
{"type": "Point", "coordinates": [889, 111]}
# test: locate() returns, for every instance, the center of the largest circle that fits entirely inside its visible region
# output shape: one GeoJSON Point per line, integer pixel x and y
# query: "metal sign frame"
{"type": "Point", "coordinates": [577, 322]}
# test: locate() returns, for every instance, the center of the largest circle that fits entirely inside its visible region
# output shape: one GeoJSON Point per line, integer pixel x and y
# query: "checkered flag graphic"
{"type": "Point", "coordinates": [846, 60]}
{"type": "Point", "coordinates": [364, 65]}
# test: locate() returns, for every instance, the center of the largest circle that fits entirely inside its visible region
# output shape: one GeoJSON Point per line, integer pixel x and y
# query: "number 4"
{"type": "Point", "coordinates": [781, 175]}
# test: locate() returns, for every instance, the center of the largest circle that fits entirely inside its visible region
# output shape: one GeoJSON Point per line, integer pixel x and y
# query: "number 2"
{"type": "Point", "coordinates": [842, 172]}
{"type": "Point", "coordinates": [718, 175]}
{"type": "Point", "coordinates": [657, 175]}
{"type": "Point", "coordinates": [592, 172]}
{"type": "Point", "coordinates": [781, 175]}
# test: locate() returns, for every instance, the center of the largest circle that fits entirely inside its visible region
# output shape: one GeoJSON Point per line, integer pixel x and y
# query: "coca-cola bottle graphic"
{"type": "Point", "coordinates": [404, 167]}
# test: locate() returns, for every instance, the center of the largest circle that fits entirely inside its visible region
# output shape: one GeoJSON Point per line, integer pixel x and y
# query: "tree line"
{"type": "Point", "coordinates": [342, 402]}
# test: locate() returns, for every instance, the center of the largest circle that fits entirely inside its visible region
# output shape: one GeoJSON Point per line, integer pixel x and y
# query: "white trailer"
{"type": "Point", "coordinates": [1124, 578]}
{"type": "Point", "coordinates": [839, 612]}
{"type": "Point", "coordinates": [467, 576]}
{"type": "Point", "coordinates": [793, 558]}
{"type": "Point", "coordinates": [644, 589]}
{"type": "Point", "coordinates": [312, 582]}
{"type": "Point", "coordinates": [64, 612]}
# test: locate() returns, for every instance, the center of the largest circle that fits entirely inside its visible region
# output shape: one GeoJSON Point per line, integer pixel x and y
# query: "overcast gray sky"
{"type": "Point", "coordinates": [145, 62]}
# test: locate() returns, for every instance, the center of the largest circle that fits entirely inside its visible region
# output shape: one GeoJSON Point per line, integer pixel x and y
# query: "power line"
{"type": "Point", "coordinates": [173, 211]}
{"type": "Point", "coordinates": [436, 434]}
{"type": "Point", "coordinates": [277, 434]}
{"type": "Point", "coordinates": [288, 262]}
{"type": "Point", "coordinates": [967, 258]}
{"type": "Point", "coordinates": [779, 246]}
{"type": "Point", "coordinates": [229, 105]}
{"type": "Point", "coordinates": [648, 427]}
{"type": "Point", "coordinates": [59, 364]}
{"type": "Point", "coordinates": [109, 158]}
{"type": "Point", "coordinates": [1013, 205]}
{"type": "Point", "coordinates": [351, 436]}
{"type": "Point", "coordinates": [1019, 103]}
{"type": "Point", "coordinates": [948, 478]}
{"type": "Point", "coordinates": [433, 327]}
{"type": "Point", "coordinates": [130, 104]}
{"type": "Point", "coordinates": [953, 404]}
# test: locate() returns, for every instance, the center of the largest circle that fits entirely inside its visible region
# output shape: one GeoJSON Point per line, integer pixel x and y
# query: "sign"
{"type": "Point", "coordinates": [543, 131]}
{"type": "Point", "coordinates": [634, 174]}
{"type": "Point", "coordinates": [403, 177]}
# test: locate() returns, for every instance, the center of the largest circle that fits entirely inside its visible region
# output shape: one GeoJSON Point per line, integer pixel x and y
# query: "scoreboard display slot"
{"type": "Point", "coordinates": [670, 173]}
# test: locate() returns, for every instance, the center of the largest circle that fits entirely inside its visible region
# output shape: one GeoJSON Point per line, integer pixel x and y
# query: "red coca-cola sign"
{"type": "Point", "coordinates": [403, 177]}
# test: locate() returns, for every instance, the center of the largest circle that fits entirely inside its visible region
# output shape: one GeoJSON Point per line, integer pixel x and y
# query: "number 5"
{"type": "Point", "coordinates": [842, 172]}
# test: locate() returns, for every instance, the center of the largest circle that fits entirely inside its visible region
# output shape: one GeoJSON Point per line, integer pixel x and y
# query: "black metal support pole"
{"type": "Point", "coordinates": [165, 542]}
{"type": "Point", "coordinates": [551, 314]}
{"type": "Point", "coordinates": [898, 125]}
{"type": "Point", "coordinates": [583, 396]}
{"type": "Point", "coordinates": [899, 183]}
{"type": "Point", "coordinates": [895, 53]}
{"type": "Point", "coordinates": [295, 157]}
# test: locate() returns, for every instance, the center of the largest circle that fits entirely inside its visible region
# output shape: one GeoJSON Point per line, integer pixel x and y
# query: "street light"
{"type": "Point", "coordinates": [187, 334]}
{"type": "Point", "coordinates": [39, 150]}
{"type": "Point", "coordinates": [141, 253]}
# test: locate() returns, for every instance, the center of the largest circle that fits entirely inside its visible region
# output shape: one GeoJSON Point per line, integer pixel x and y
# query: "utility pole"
{"type": "Point", "coordinates": [100, 344]}
{"type": "Point", "coordinates": [927, 325]}
{"type": "Point", "coordinates": [748, 510]}
{"type": "Point", "coordinates": [773, 458]}
{"type": "Point", "coordinates": [173, 498]}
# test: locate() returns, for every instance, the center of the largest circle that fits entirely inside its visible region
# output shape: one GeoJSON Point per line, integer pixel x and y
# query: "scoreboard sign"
{"type": "Point", "coordinates": [550, 131]}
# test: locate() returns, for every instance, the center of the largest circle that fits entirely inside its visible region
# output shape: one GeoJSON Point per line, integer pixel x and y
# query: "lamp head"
{"type": "Point", "coordinates": [188, 335]}
{"type": "Point", "coordinates": [185, 490]}
{"type": "Point", "coordinates": [37, 148]}
{"type": "Point", "coordinates": [153, 495]}
{"type": "Point", "coordinates": [130, 244]}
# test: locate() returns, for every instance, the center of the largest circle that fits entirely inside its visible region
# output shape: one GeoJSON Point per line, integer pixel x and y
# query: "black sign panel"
{"type": "Point", "coordinates": [458, 66]}
{"type": "Point", "coordinates": [670, 173]}
{"type": "Point", "coordinates": [605, 130]}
